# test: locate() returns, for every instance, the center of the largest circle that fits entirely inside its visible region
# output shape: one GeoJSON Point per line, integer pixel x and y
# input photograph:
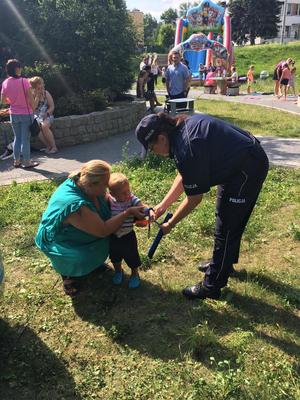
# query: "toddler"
{"type": "Point", "coordinates": [250, 78]}
{"type": "Point", "coordinates": [292, 80]}
{"type": "Point", "coordinates": [123, 243]}
{"type": "Point", "coordinates": [284, 79]}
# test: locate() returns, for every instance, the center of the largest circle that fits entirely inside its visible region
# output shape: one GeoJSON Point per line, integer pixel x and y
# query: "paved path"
{"type": "Point", "coordinates": [255, 99]}
{"type": "Point", "coordinates": [283, 152]}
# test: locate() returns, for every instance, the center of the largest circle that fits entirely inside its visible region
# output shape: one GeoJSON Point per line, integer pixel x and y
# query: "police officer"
{"type": "Point", "coordinates": [208, 152]}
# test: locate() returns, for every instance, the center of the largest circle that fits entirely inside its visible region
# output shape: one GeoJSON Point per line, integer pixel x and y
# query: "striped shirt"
{"type": "Point", "coordinates": [117, 207]}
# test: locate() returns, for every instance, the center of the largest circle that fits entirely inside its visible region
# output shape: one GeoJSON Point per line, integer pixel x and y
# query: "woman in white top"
{"type": "Point", "coordinates": [155, 68]}
{"type": "Point", "coordinates": [233, 79]}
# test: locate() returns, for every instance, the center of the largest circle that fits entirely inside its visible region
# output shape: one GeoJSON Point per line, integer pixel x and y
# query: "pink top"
{"type": "Point", "coordinates": [209, 80]}
{"type": "Point", "coordinates": [12, 89]}
{"type": "Point", "coordinates": [286, 74]}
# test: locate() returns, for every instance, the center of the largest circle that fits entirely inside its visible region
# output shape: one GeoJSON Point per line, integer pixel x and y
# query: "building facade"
{"type": "Point", "coordinates": [138, 22]}
{"type": "Point", "coordinates": [291, 22]}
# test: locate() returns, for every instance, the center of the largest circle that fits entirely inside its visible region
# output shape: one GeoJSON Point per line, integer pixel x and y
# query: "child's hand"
{"type": "Point", "coordinates": [138, 212]}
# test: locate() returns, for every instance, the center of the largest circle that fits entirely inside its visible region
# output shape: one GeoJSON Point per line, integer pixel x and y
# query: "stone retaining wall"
{"type": "Point", "coordinates": [76, 129]}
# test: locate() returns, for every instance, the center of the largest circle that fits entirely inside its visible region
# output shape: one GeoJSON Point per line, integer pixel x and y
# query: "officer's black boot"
{"type": "Point", "coordinates": [199, 291]}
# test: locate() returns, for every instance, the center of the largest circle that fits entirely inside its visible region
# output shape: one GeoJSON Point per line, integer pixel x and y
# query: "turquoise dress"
{"type": "Point", "coordinates": [72, 252]}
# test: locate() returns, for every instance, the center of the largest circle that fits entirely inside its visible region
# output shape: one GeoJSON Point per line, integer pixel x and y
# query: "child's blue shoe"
{"type": "Point", "coordinates": [118, 277]}
{"type": "Point", "coordinates": [134, 282]}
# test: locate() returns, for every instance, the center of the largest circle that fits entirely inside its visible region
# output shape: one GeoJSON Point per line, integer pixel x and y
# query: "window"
{"type": "Point", "coordinates": [289, 9]}
{"type": "Point", "coordinates": [287, 31]}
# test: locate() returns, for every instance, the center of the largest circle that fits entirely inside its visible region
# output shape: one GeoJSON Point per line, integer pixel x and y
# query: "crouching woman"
{"type": "Point", "coordinates": [75, 228]}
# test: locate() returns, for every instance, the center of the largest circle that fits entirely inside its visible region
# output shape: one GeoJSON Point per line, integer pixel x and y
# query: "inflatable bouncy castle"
{"type": "Point", "coordinates": [204, 37]}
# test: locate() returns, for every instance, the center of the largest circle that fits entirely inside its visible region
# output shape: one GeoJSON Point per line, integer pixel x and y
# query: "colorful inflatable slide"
{"type": "Point", "coordinates": [200, 36]}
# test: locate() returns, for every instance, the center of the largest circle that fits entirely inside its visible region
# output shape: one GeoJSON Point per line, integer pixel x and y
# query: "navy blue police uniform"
{"type": "Point", "coordinates": [210, 152]}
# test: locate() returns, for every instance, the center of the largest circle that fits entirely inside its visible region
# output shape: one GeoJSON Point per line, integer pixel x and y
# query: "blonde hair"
{"type": "Point", "coordinates": [116, 180]}
{"type": "Point", "coordinates": [91, 172]}
{"type": "Point", "coordinates": [154, 60]}
{"type": "Point", "coordinates": [251, 67]}
{"type": "Point", "coordinates": [36, 80]}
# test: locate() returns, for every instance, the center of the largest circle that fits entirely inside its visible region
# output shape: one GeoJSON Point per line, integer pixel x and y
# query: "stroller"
{"type": "Point", "coordinates": [181, 107]}
{"type": "Point", "coordinates": [8, 153]}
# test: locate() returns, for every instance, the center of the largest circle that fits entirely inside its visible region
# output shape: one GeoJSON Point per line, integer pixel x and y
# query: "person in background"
{"type": "Point", "coordinates": [189, 84]}
{"type": "Point", "coordinates": [163, 71]}
{"type": "Point", "coordinates": [144, 62]}
{"type": "Point", "coordinates": [234, 76]}
{"type": "Point", "coordinates": [146, 78]}
{"type": "Point", "coordinates": [202, 72]}
{"type": "Point", "coordinates": [155, 68]}
{"type": "Point", "coordinates": [292, 81]}
{"type": "Point", "coordinates": [277, 75]}
{"type": "Point", "coordinates": [75, 227]}
{"type": "Point", "coordinates": [233, 79]}
{"type": "Point", "coordinates": [250, 79]}
{"type": "Point", "coordinates": [177, 77]}
{"type": "Point", "coordinates": [210, 67]}
{"type": "Point", "coordinates": [17, 93]}
{"type": "Point", "coordinates": [44, 113]}
{"type": "Point", "coordinates": [210, 81]}
{"type": "Point", "coordinates": [284, 79]}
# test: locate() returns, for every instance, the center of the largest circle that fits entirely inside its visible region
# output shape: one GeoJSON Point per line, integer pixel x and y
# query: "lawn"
{"type": "Point", "coordinates": [115, 344]}
{"type": "Point", "coordinates": [258, 120]}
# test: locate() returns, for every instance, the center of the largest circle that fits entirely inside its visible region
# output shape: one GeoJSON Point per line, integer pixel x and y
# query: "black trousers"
{"type": "Point", "coordinates": [235, 202]}
{"type": "Point", "coordinates": [125, 248]}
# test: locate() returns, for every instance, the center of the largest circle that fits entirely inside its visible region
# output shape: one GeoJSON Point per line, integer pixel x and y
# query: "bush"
{"type": "Point", "coordinates": [80, 104]}
{"type": "Point", "coordinates": [57, 78]}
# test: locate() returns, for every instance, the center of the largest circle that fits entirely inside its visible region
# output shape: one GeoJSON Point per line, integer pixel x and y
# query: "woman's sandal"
{"type": "Point", "coordinates": [71, 286]}
{"type": "Point", "coordinates": [33, 164]}
{"type": "Point", "coordinates": [17, 164]}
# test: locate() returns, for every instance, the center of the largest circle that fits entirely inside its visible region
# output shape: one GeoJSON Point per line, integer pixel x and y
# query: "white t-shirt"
{"type": "Point", "coordinates": [154, 69]}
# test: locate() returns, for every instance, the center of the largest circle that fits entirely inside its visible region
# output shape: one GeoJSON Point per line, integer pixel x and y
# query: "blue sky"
{"type": "Point", "coordinates": [153, 7]}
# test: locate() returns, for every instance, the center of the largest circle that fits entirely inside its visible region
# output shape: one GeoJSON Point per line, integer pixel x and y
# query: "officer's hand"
{"type": "Point", "coordinates": [158, 211]}
{"type": "Point", "coordinates": [166, 228]}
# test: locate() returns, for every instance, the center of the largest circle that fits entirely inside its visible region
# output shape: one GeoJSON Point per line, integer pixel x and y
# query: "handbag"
{"type": "Point", "coordinates": [34, 127]}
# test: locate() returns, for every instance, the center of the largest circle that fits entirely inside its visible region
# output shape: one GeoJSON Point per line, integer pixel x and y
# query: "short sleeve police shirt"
{"type": "Point", "coordinates": [207, 152]}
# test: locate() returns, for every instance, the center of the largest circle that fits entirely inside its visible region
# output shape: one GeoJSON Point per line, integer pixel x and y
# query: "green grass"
{"type": "Point", "coordinates": [265, 57]}
{"type": "Point", "coordinates": [116, 344]}
{"type": "Point", "coordinates": [258, 120]}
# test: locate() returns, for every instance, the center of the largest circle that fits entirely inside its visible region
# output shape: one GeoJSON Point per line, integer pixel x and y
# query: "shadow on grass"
{"type": "Point", "coordinates": [29, 369]}
{"type": "Point", "coordinates": [289, 293]}
{"type": "Point", "coordinates": [162, 323]}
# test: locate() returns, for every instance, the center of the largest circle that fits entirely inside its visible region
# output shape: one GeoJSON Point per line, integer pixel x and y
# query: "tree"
{"type": "Point", "coordinates": [169, 16]}
{"type": "Point", "coordinates": [150, 30]}
{"type": "Point", "coordinates": [93, 38]}
{"type": "Point", "coordinates": [184, 7]}
{"type": "Point", "coordinates": [253, 18]}
{"type": "Point", "coordinates": [166, 36]}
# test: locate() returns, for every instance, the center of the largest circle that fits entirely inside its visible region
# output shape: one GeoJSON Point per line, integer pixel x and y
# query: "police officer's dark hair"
{"type": "Point", "coordinates": [168, 124]}
{"type": "Point", "coordinates": [11, 67]}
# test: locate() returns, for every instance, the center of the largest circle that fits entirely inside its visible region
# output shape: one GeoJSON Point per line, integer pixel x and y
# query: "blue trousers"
{"type": "Point", "coordinates": [20, 125]}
